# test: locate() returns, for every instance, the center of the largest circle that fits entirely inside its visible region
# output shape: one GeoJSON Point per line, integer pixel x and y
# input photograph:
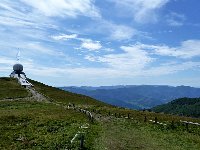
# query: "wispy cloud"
{"type": "Point", "coordinates": [114, 31]}
{"type": "Point", "coordinates": [132, 58]}
{"type": "Point", "coordinates": [175, 19]}
{"type": "Point", "coordinates": [64, 36]}
{"type": "Point", "coordinates": [88, 44]}
{"type": "Point", "coordinates": [187, 49]}
{"type": "Point", "coordinates": [172, 68]}
{"type": "Point", "coordinates": [91, 45]}
{"type": "Point", "coordinates": [143, 11]}
{"type": "Point", "coordinates": [6, 60]}
{"type": "Point", "coordinates": [16, 14]}
{"type": "Point", "coordinates": [136, 59]}
{"type": "Point", "coordinates": [64, 8]}
{"type": "Point", "coordinates": [122, 32]}
{"type": "Point", "coordinates": [107, 73]}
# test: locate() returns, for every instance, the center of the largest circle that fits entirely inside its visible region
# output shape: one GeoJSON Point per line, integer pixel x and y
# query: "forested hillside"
{"type": "Point", "coordinates": [183, 106]}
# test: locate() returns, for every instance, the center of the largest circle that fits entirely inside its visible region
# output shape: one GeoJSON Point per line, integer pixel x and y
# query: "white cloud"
{"type": "Point", "coordinates": [170, 68]}
{"type": "Point", "coordinates": [91, 45]}
{"type": "Point", "coordinates": [133, 58]}
{"type": "Point", "coordinates": [90, 58]}
{"type": "Point", "coordinates": [109, 49]}
{"type": "Point", "coordinates": [187, 49]}
{"type": "Point", "coordinates": [85, 43]}
{"type": "Point", "coordinates": [115, 31]}
{"type": "Point", "coordinates": [136, 59]}
{"type": "Point", "coordinates": [38, 47]}
{"type": "Point", "coordinates": [121, 32]}
{"type": "Point", "coordinates": [175, 19]}
{"type": "Point", "coordinates": [105, 73]}
{"type": "Point", "coordinates": [16, 14]}
{"type": "Point", "coordinates": [15, 22]}
{"type": "Point", "coordinates": [6, 60]}
{"type": "Point", "coordinates": [64, 36]}
{"type": "Point", "coordinates": [142, 10]}
{"type": "Point", "coordinates": [62, 8]}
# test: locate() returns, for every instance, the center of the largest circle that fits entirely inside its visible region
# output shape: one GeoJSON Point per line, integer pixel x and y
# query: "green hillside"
{"type": "Point", "coordinates": [66, 97]}
{"type": "Point", "coordinates": [33, 125]}
{"type": "Point", "coordinates": [29, 124]}
{"type": "Point", "coordinates": [9, 88]}
{"type": "Point", "coordinates": [183, 106]}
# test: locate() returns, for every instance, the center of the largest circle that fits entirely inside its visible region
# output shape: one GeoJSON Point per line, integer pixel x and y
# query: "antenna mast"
{"type": "Point", "coordinates": [18, 56]}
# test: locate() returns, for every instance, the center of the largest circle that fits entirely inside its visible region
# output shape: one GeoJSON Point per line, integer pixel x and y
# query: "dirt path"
{"type": "Point", "coordinates": [36, 95]}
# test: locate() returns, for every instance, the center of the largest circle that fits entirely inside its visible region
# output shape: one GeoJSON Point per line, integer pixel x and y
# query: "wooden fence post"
{"type": "Point", "coordinates": [82, 141]}
{"type": "Point", "coordinates": [156, 120]}
{"type": "Point", "coordinates": [145, 118]}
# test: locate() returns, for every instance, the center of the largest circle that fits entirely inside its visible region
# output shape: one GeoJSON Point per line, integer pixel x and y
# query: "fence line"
{"type": "Point", "coordinates": [190, 122]}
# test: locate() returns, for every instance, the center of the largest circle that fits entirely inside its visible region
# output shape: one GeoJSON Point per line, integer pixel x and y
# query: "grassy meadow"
{"type": "Point", "coordinates": [122, 134]}
{"type": "Point", "coordinates": [36, 125]}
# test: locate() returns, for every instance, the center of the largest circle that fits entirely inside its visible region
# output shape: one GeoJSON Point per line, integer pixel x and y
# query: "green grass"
{"type": "Point", "coordinates": [120, 134]}
{"type": "Point", "coordinates": [66, 97]}
{"type": "Point", "coordinates": [140, 115]}
{"type": "Point", "coordinates": [9, 88]}
{"type": "Point", "coordinates": [34, 125]}
{"type": "Point", "coordinates": [47, 126]}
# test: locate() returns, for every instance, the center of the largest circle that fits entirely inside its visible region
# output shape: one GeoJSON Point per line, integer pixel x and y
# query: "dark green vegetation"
{"type": "Point", "coordinates": [44, 125]}
{"type": "Point", "coordinates": [136, 96]}
{"type": "Point", "coordinates": [9, 88]}
{"type": "Point", "coordinates": [183, 106]}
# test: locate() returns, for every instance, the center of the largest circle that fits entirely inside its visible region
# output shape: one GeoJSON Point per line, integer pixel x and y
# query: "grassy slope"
{"type": "Point", "coordinates": [38, 125]}
{"type": "Point", "coordinates": [66, 97]}
{"type": "Point", "coordinates": [9, 88]}
{"type": "Point", "coordinates": [119, 134]}
{"type": "Point", "coordinates": [45, 125]}
{"type": "Point", "coordinates": [34, 125]}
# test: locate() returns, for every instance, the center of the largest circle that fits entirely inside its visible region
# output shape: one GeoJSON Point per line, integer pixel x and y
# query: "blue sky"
{"type": "Point", "coordinates": [102, 42]}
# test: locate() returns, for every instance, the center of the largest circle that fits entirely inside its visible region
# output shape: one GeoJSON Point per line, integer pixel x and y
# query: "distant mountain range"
{"type": "Point", "coordinates": [136, 96]}
{"type": "Point", "coordinates": [184, 106]}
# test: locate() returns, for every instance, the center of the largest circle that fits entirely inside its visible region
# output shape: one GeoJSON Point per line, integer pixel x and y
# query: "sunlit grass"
{"type": "Point", "coordinates": [34, 125]}
{"type": "Point", "coordinates": [10, 88]}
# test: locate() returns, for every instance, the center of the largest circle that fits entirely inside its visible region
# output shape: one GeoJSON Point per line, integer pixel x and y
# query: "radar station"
{"type": "Point", "coordinates": [19, 74]}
